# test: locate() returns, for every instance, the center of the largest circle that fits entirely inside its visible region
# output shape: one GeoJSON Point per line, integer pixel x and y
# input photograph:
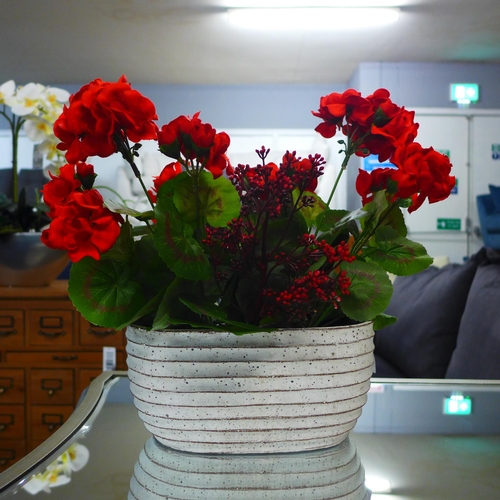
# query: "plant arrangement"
{"type": "Point", "coordinates": [239, 248]}
{"type": "Point", "coordinates": [33, 108]}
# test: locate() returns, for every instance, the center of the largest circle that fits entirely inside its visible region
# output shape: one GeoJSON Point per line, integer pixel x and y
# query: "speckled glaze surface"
{"type": "Point", "coordinates": [279, 392]}
{"type": "Point", "coordinates": [333, 473]}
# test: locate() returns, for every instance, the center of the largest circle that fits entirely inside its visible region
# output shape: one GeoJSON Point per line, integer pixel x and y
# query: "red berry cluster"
{"type": "Point", "coordinates": [296, 274]}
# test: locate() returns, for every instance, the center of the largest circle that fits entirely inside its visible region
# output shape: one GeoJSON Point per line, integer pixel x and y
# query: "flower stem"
{"type": "Point", "coordinates": [123, 146]}
{"type": "Point", "coordinates": [15, 127]}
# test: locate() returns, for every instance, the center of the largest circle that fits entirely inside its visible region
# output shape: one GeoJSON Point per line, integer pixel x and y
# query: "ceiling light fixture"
{"type": "Point", "coordinates": [312, 18]}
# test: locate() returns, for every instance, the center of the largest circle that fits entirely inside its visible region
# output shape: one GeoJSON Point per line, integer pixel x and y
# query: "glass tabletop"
{"type": "Point", "coordinates": [416, 440]}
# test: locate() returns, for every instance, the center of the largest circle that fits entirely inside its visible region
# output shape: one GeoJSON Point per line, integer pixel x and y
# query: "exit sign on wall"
{"type": "Point", "coordinates": [449, 224]}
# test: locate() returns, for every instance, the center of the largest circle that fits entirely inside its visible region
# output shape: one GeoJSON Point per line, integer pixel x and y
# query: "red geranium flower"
{"type": "Point", "coordinates": [100, 112]}
{"type": "Point", "coordinates": [423, 173]}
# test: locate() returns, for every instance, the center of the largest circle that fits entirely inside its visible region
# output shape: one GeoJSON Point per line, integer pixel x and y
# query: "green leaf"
{"type": "Point", "coordinates": [382, 320]}
{"type": "Point", "coordinates": [282, 233]}
{"type": "Point", "coordinates": [124, 245]}
{"type": "Point", "coordinates": [120, 208]}
{"type": "Point", "coordinates": [395, 219]}
{"type": "Point", "coordinates": [225, 324]}
{"type": "Point", "coordinates": [174, 239]}
{"type": "Point", "coordinates": [171, 310]}
{"type": "Point", "coordinates": [215, 201]}
{"type": "Point", "coordinates": [335, 222]}
{"type": "Point", "coordinates": [105, 292]}
{"type": "Point", "coordinates": [397, 254]}
{"type": "Point", "coordinates": [374, 210]}
{"type": "Point", "coordinates": [311, 212]}
{"type": "Point", "coordinates": [370, 290]}
{"type": "Point", "coordinates": [329, 219]}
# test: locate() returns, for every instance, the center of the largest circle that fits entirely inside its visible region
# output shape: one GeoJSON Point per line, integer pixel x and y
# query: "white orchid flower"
{"type": "Point", "coordinates": [7, 90]}
{"type": "Point", "coordinates": [48, 148]}
{"type": "Point", "coordinates": [57, 96]}
{"type": "Point", "coordinates": [59, 472]}
{"type": "Point", "coordinates": [37, 129]}
{"type": "Point", "coordinates": [26, 100]}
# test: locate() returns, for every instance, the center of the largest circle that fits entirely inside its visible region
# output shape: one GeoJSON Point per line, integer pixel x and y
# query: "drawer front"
{"type": "Point", "coordinates": [10, 452]}
{"type": "Point", "coordinates": [99, 336]}
{"type": "Point", "coordinates": [11, 328]}
{"type": "Point", "coordinates": [12, 385]}
{"type": "Point", "coordinates": [52, 386]}
{"type": "Point", "coordinates": [45, 420]}
{"type": "Point", "coordinates": [12, 422]}
{"type": "Point", "coordinates": [51, 328]}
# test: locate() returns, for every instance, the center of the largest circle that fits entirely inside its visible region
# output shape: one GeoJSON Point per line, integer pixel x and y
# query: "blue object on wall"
{"type": "Point", "coordinates": [489, 218]}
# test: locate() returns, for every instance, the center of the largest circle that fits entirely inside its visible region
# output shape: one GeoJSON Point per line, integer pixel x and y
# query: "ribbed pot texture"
{"type": "Point", "coordinates": [333, 473]}
{"type": "Point", "coordinates": [216, 392]}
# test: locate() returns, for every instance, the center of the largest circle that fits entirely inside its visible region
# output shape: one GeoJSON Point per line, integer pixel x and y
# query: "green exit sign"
{"type": "Point", "coordinates": [449, 224]}
{"type": "Point", "coordinates": [457, 405]}
{"type": "Point", "coordinates": [464, 93]}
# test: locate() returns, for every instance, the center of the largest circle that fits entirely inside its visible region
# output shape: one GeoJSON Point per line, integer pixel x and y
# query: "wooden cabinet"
{"type": "Point", "coordinates": [48, 354]}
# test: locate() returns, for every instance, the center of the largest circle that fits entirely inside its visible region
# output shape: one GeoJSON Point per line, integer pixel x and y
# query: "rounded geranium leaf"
{"type": "Point", "coordinates": [217, 201]}
{"type": "Point", "coordinates": [105, 292]}
{"type": "Point", "coordinates": [174, 239]}
{"type": "Point", "coordinates": [369, 293]}
{"type": "Point", "coordinates": [397, 254]}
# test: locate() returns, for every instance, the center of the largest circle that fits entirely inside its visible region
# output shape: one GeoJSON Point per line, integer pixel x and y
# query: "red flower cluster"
{"type": "Point", "coordinates": [80, 222]}
{"type": "Point", "coordinates": [99, 113]}
{"type": "Point", "coordinates": [375, 125]}
{"type": "Point", "coordinates": [421, 173]}
{"type": "Point", "coordinates": [192, 139]}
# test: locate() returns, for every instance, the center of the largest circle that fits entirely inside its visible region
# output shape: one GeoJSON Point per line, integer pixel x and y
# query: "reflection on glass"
{"type": "Point", "coordinates": [162, 472]}
{"type": "Point", "coordinates": [59, 472]}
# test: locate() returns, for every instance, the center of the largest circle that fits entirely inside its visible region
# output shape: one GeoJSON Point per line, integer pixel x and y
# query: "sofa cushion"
{"type": "Point", "coordinates": [495, 195]}
{"type": "Point", "coordinates": [477, 355]}
{"type": "Point", "coordinates": [428, 306]}
{"type": "Point", "coordinates": [384, 369]}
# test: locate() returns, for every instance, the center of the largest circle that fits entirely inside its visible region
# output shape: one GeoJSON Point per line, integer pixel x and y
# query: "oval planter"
{"type": "Point", "coordinates": [285, 391]}
{"type": "Point", "coordinates": [26, 261]}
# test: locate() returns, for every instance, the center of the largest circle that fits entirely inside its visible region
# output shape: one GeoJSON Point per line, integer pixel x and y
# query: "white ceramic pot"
{"type": "Point", "coordinates": [333, 473]}
{"type": "Point", "coordinates": [216, 392]}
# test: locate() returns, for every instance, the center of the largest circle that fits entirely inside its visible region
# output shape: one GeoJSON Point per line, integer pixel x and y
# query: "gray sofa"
{"type": "Point", "coordinates": [448, 322]}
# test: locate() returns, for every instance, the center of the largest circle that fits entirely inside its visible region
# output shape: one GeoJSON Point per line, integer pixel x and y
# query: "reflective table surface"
{"type": "Point", "coordinates": [416, 440]}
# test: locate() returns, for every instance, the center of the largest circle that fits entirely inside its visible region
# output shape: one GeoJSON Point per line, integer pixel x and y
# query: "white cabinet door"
{"type": "Point", "coordinates": [485, 142]}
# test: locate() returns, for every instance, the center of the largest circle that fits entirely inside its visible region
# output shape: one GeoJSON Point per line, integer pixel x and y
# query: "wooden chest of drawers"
{"type": "Point", "coordinates": [48, 354]}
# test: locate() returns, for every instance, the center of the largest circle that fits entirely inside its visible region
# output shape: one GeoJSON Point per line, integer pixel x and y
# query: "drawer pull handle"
{"type": "Point", "coordinates": [51, 385]}
{"type": "Point", "coordinates": [6, 384]}
{"type": "Point", "coordinates": [52, 421]}
{"type": "Point", "coordinates": [101, 333]}
{"type": "Point", "coordinates": [51, 335]}
{"type": "Point", "coordinates": [9, 420]}
{"type": "Point", "coordinates": [65, 358]}
{"type": "Point", "coordinates": [6, 333]}
{"type": "Point", "coordinates": [11, 455]}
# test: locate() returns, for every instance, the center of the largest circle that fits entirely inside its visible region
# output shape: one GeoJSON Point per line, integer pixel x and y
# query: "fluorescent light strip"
{"type": "Point", "coordinates": [270, 4]}
{"type": "Point", "coordinates": [312, 18]}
